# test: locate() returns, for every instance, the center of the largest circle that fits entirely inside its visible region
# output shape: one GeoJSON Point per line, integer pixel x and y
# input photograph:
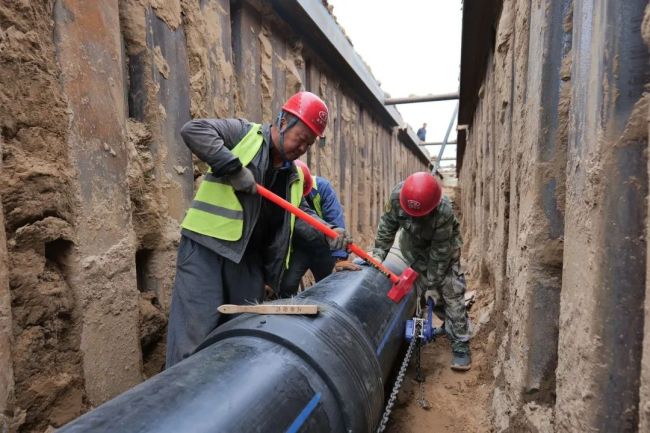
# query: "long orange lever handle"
{"type": "Point", "coordinates": [318, 225]}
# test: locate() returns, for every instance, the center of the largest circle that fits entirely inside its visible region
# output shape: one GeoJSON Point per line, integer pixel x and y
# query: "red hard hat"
{"type": "Point", "coordinates": [309, 181]}
{"type": "Point", "coordinates": [310, 109]}
{"type": "Point", "coordinates": [420, 194]}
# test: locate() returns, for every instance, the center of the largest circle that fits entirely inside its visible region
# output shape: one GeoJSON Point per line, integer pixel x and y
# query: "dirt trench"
{"type": "Point", "coordinates": [94, 177]}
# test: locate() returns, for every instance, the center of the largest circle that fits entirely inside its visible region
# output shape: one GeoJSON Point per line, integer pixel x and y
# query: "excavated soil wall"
{"type": "Point", "coordinates": [94, 177]}
{"type": "Point", "coordinates": [554, 183]}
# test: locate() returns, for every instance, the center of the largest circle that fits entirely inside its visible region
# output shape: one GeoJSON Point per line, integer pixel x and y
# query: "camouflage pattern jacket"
{"type": "Point", "coordinates": [430, 244]}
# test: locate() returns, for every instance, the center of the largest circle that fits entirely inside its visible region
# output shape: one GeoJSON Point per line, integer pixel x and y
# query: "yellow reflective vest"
{"type": "Point", "coordinates": [316, 200]}
{"type": "Point", "coordinates": [216, 210]}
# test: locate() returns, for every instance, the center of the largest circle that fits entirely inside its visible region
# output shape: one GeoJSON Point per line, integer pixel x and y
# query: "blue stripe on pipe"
{"type": "Point", "coordinates": [302, 417]}
{"type": "Point", "coordinates": [392, 326]}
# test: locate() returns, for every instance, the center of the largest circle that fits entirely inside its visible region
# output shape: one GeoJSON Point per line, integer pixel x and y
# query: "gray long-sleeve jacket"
{"type": "Point", "coordinates": [211, 141]}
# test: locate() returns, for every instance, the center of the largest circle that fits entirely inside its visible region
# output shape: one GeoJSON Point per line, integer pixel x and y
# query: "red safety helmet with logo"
{"type": "Point", "coordinates": [420, 194]}
{"type": "Point", "coordinates": [309, 181]}
{"type": "Point", "coordinates": [310, 109]}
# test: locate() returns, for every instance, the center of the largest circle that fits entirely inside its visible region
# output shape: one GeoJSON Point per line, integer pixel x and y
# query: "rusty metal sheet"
{"type": "Point", "coordinates": [170, 111]}
{"type": "Point", "coordinates": [90, 55]}
{"type": "Point", "coordinates": [246, 28]}
{"type": "Point", "coordinates": [89, 50]}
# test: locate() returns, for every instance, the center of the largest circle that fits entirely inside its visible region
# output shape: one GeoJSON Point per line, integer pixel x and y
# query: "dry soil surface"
{"type": "Point", "coordinates": [459, 401]}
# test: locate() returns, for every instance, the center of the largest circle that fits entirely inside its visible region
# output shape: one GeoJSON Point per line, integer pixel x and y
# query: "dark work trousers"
{"type": "Point", "coordinates": [315, 256]}
{"type": "Point", "coordinates": [204, 281]}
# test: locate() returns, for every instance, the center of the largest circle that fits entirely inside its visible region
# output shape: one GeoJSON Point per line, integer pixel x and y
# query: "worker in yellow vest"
{"type": "Point", "coordinates": [233, 242]}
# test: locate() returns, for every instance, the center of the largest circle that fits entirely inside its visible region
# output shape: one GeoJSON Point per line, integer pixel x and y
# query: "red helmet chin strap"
{"type": "Point", "coordinates": [290, 124]}
{"type": "Point", "coordinates": [310, 109]}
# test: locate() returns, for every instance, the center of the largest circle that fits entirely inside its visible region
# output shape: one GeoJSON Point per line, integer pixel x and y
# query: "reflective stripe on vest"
{"type": "Point", "coordinates": [316, 200]}
{"type": "Point", "coordinates": [216, 210]}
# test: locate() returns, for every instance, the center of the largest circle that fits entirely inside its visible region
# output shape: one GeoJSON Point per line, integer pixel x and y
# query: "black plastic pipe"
{"type": "Point", "coordinates": [277, 373]}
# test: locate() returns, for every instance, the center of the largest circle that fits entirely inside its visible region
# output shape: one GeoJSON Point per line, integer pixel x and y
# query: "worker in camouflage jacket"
{"type": "Point", "coordinates": [430, 243]}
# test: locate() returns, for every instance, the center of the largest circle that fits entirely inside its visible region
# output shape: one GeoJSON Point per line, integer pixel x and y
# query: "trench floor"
{"type": "Point", "coordinates": [459, 400]}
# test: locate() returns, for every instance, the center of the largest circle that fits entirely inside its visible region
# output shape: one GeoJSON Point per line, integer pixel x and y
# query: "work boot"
{"type": "Point", "coordinates": [461, 357]}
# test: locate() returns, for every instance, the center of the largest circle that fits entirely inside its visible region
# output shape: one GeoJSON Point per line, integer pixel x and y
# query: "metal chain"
{"type": "Point", "coordinates": [422, 399]}
{"type": "Point", "coordinates": [418, 369]}
{"type": "Point", "coordinates": [398, 384]}
{"type": "Point", "coordinates": [419, 377]}
{"type": "Point", "coordinates": [414, 345]}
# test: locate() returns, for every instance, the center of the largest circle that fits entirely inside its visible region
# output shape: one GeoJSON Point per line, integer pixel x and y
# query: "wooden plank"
{"type": "Point", "coordinates": [268, 309]}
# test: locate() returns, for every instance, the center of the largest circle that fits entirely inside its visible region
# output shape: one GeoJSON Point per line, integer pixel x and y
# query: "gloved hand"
{"type": "Point", "coordinates": [341, 241]}
{"type": "Point", "coordinates": [433, 294]}
{"type": "Point", "coordinates": [243, 181]}
{"type": "Point", "coordinates": [346, 265]}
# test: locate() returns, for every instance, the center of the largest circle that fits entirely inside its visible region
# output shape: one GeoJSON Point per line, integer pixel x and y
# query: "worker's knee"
{"type": "Point", "coordinates": [454, 285]}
